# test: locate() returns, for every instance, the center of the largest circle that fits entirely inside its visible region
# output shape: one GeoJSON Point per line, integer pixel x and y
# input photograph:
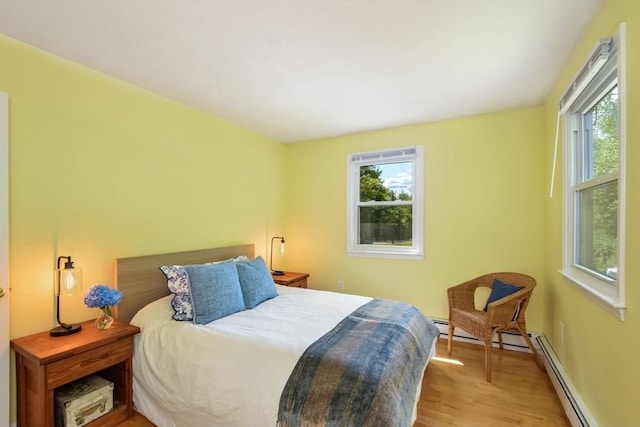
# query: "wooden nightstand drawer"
{"type": "Point", "coordinates": [88, 362]}
{"type": "Point", "coordinates": [291, 279]}
{"type": "Point", "coordinates": [302, 283]}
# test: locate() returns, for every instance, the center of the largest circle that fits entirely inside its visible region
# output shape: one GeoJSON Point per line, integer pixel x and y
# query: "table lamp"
{"type": "Point", "coordinates": [276, 272]}
{"type": "Point", "coordinates": [69, 280]}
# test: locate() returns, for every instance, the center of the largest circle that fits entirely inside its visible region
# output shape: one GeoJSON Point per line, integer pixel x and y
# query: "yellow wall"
{"type": "Point", "coordinates": [599, 352]}
{"type": "Point", "coordinates": [100, 169]}
{"type": "Point", "coordinates": [148, 175]}
{"type": "Point", "coordinates": [484, 188]}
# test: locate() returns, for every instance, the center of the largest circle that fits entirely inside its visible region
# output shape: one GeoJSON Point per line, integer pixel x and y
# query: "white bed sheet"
{"type": "Point", "coordinates": [230, 372]}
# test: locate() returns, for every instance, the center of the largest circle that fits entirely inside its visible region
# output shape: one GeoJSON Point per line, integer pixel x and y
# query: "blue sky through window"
{"type": "Point", "coordinates": [397, 176]}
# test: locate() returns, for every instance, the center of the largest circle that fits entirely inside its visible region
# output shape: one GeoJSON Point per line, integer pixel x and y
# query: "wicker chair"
{"type": "Point", "coordinates": [501, 315]}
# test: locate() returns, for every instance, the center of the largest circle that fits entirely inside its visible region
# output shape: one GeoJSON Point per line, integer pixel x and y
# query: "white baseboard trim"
{"type": "Point", "coordinates": [574, 406]}
{"type": "Point", "coordinates": [510, 340]}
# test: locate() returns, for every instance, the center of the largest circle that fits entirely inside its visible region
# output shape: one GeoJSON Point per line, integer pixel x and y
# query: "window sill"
{"type": "Point", "coordinates": [609, 303]}
{"type": "Point", "coordinates": [388, 255]}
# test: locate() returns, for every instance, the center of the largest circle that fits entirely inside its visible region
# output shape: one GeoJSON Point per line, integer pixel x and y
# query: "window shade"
{"type": "Point", "coordinates": [400, 153]}
{"type": "Point", "coordinates": [596, 61]}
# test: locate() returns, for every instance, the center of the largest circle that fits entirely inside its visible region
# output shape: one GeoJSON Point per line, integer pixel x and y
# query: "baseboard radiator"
{"type": "Point", "coordinates": [510, 340]}
{"type": "Point", "coordinates": [574, 406]}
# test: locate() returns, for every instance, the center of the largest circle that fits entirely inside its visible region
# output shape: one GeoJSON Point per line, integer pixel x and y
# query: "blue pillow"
{"type": "Point", "coordinates": [500, 290]}
{"type": "Point", "coordinates": [178, 283]}
{"type": "Point", "coordinates": [256, 282]}
{"type": "Point", "coordinates": [215, 291]}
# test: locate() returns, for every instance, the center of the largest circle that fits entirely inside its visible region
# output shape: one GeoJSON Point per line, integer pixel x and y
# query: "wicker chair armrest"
{"type": "Point", "coordinates": [462, 296]}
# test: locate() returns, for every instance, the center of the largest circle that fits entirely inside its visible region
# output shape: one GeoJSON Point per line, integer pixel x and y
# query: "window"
{"type": "Point", "coordinates": [594, 178]}
{"type": "Point", "coordinates": [384, 203]}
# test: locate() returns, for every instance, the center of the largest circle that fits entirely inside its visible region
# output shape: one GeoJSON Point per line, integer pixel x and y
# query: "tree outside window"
{"type": "Point", "coordinates": [384, 223]}
{"type": "Point", "coordinates": [598, 203]}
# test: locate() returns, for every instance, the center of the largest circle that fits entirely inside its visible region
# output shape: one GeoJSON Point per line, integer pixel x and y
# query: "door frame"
{"type": "Point", "coordinates": [5, 353]}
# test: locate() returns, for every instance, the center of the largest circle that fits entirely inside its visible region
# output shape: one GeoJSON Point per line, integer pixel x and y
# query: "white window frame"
{"type": "Point", "coordinates": [394, 155]}
{"type": "Point", "coordinates": [580, 98]}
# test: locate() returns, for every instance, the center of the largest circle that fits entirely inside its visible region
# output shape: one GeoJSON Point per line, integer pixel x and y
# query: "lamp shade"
{"type": "Point", "coordinates": [69, 281]}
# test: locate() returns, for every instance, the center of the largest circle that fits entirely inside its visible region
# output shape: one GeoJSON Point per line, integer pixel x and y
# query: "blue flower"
{"type": "Point", "coordinates": [102, 296]}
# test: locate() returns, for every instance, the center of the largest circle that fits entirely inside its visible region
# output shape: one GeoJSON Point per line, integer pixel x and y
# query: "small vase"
{"type": "Point", "coordinates": [105, 319]}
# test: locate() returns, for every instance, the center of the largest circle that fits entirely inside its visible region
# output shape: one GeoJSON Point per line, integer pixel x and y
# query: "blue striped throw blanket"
{"type": "Point", "coordinates": [364, 372]}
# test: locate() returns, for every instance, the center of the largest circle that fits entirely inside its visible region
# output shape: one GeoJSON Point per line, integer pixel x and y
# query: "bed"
{"type": "Point", "coordinates": [288, 361]}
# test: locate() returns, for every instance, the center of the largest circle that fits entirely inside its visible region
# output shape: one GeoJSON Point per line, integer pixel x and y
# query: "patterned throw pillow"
{"type": "Point", "coordinates": [178, 284]}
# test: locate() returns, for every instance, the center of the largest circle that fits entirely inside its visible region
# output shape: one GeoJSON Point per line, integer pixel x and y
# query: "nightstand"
{"type": "Point", "coordinates": [294, 280]}
{"type": "Point", "coordinates": [44, 363]}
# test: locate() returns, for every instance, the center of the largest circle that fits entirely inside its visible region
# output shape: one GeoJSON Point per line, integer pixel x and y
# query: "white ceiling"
{"type": "Point", "coordinates": [295, 70]}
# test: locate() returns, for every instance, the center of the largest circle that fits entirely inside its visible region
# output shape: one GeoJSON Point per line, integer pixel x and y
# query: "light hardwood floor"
{"type": "Point", "coordinates": [455, 393]}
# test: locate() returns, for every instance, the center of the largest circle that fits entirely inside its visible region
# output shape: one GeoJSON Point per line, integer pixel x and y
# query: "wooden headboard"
{"type": "Point", "coordinates": [141, 281]}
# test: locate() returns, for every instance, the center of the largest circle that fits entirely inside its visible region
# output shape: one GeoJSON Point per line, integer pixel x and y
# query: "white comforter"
{"type": "Point", "coordinates": [230, 372]}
